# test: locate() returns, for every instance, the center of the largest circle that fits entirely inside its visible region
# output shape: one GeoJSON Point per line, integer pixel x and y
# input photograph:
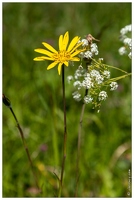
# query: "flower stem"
{"type": "Point", "coordinates": [25, 147]}
{"type": "Point", "coordinates": [104, 65]}
{"type": "Point", "coordinates": [65, 135]}
{"type": "Point", "coordinates": [88, 62]}
{"type": "Point", "coordinates": [6, 101]}
{"type": "Point", "coordinates": [79, 145]}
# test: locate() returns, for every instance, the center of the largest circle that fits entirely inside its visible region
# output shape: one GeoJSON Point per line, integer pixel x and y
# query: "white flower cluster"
{"type": "Point", "coordinates": [102, 96]}
{"type": "Point", "coordinates": [113, 85]}
{"type": "Point", "coordinates": [88, 99]}
{"type": "Point", "coordinates": [98, 78]}
{"type": "Point", "coordinates": [125, 37]}
{"type": "Point", "coordinates": [94, 80]}
{"type": "Point", "coordinates": [85, 42]}
{"type": "Point", "coordinates": [90, 52]}
{"type": "Point", "coordinates": [76, 96]}
{"type": "Point", "coordinates": [70, 78]}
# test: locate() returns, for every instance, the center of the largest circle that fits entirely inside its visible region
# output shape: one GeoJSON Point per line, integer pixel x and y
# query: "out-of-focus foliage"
{"type": "Point", "coordinates": [36, 97]}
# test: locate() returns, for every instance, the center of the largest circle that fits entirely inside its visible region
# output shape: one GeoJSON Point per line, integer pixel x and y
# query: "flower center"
{"type": "Point", "coordinates": [62, 56]}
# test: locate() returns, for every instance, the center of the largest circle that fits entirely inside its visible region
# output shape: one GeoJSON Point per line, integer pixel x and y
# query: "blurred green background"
{"type": "Point", "coordinates": [36, 97]}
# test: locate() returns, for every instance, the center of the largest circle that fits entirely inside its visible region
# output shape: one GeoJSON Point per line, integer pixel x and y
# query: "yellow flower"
{"type": "Point", "coordinates": [64, 55]}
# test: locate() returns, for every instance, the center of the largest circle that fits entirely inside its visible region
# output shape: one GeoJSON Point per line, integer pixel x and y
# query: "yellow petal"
{"type": "Point", "coordinates": [52, 65]}
{"type": "Point", "coordinates": [60, 42]}
{"type": "Point", "coordinates": [59, 68]}
{"type": "Point", "coordinates": [39, 58]}
{"type": "Point", "coordinates": [65, 41]}
{"type": "Point", "coordinates": [42, 58]}
{"type": "Point", "coordinates": [66, 63]}
{"type": "Point", "coordinates": [73, 43]}
{"type": "Point", "coordinates": [43, 51]}
{"type": "Point", "coordinates": [77, 47]}
{"type": "Point", "coordinates": [75, 59]}
{"type": "Point", "coordinates": [48, 46]}
{"type": "Point", "coordinates": [75, 53]}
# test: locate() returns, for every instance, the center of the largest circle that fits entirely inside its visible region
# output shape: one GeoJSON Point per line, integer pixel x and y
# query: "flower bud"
{"type": "Point", "coordinates": [6, 101]}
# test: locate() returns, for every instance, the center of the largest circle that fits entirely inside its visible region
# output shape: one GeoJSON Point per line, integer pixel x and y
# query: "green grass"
{"type": "Point", "coordinates": [36, 97]}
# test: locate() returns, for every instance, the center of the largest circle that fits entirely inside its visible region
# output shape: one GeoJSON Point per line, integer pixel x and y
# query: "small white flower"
{"type": "Point", "coordinates": [128, 41]}
{"type": "Point", "coordinates": [69, 78]}
{"type": "Point", "coordinates": [123, 31]}
{"type": "Point", "coordinates": [77, 84]}
{"type": "Point", "coordinates": [130, 55]}
{"type": "Point", "coordinates": [113, 85]}
{"type": "Point", "coordinates": [129, 27]}
{"type": "Point", "coordinates": [80, 72]}
{"type": "Point", "coordinates": [96, 75]}
{"type": "Point", "coordinates": [81, 54]}
{"type": "Point", "coordinates": [88, 99]}
{"type": "Point", "coordinates": [126, 29]}
{"type": "Point", "coordinates": [99, 79]}
{"type": "Point", "coordinates": [87, 83]}
{"type": "Point", "coordinates": [77, 74]}
{"type": "Point", "coordinates": [106, 74]}
{"type": "Point", "coordinates": [100, 59]}
{"type": "Point", "coordinates": [122, 51]}
{"type": "Point", "coordinates": [94, 49]}
{"type": "Point", "coordinates": [85, 42]}
{"type": "Point", "coordinates": [88, 54]}
{"type": "Point", "coordinates": [80, 67]}
{"type": "Point", "coordinates": [87, 74]}
{"type": "Point", "coordinates": [102, 96]}
{"type": "Point", "coordinates": [76, 96]}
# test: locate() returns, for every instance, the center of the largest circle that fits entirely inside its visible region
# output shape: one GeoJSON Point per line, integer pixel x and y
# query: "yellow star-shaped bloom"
{"type": "Point", "coordinates": [65, 53]}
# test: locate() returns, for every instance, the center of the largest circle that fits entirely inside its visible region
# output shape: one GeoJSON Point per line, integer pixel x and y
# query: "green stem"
{"type": "Point", "coordinates": [116, 79]}
{"type": "Point", "coordinates": [6, 101]}
{"type": "Point", "coordinates": [79, 138]}
{"type": "Point", "coordinates": [25, 146]}
{"type": "Point", "coordinates": [101, 64]}
{"type": "Point", "coordinates": [65, 135]}
{"type": "Point", "coordinates": [78, 149]}
{"type": "Point", "coordinates": [79, 145]}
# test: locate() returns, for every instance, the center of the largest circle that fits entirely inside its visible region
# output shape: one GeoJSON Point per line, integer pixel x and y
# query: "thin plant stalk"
{"type": "Point", "coordinates": [79, 145]}
{"type": "Point", "coordinates": [79, 138]}
{"type": "Point", "coordinates": [65, 135]}
{"type": "Point", "coordinates": [6, 101]}
{"type": "Point", "coordinates": [104, 65]}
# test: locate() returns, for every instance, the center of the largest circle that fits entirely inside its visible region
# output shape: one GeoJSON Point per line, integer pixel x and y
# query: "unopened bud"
{"type": "Point", "coordinates": [6, 101]}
